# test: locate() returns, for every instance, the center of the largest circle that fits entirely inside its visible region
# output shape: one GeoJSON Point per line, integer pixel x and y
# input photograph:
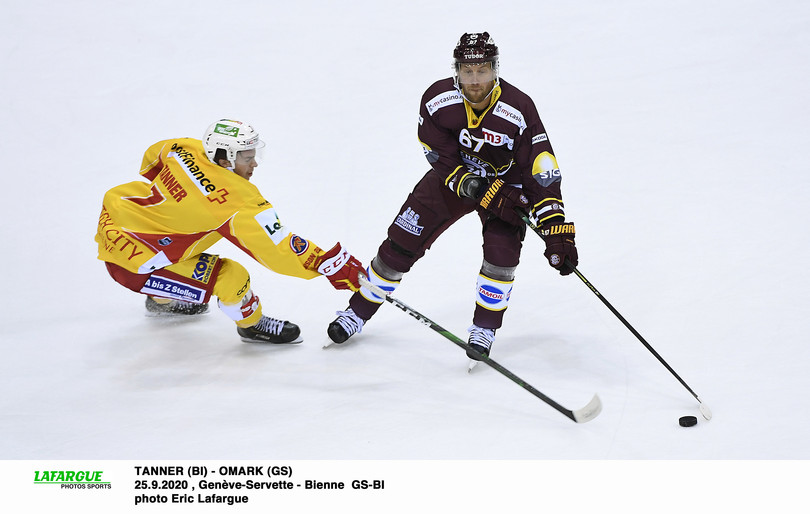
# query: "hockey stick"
{"type": "Point", "coordinates": [586, 413]}
{"type": "Point", "coordinates": [704, 409]}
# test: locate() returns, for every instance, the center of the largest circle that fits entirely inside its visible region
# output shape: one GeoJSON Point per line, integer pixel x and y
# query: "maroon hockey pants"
{"type": "Point", "coordinates": [430, 209]}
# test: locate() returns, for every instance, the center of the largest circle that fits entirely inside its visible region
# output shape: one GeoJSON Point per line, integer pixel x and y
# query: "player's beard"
{"type": "Point", "coordinates": [477, 93]}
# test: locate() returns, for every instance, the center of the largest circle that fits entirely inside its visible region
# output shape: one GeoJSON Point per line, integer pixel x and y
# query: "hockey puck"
{"type": "Point", "coordinates": [687, 421]}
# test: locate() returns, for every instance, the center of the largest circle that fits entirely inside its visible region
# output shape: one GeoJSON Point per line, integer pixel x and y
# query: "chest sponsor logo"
{"type": "Point", "coordinates": [409, 222]}
{"type": "Point", "coordinates": [474, 143]}
{"type": "Point", "coordinates": [510, 114]}
{"type": "Point", "coordinates": [443, 100]}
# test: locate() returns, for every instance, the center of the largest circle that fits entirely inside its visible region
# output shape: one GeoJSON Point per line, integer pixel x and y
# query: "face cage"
{"type": "Point", "coordinates": [495, 68]}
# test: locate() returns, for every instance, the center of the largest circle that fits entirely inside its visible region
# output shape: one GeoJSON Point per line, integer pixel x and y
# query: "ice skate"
{"type": "Point", "coordinates": [480, 343]}
{"type": "Point", "coordinates": [345, 326]}
{"type": "Point", "coordinates": [156, 306]}
{"type": "Point", "coordinates": [271, 330]}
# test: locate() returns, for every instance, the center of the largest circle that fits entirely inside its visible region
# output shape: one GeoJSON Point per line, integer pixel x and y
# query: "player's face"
{"type": "Point", "coordinates": [245, 162]}
{"type": "Point", "coordinates": [477, 80]}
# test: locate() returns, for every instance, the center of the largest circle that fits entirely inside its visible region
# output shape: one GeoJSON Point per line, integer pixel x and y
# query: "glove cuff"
{"type": "Point", "coordinates": [558, 229]}
{"type": "Point", "coordinates": [490, 194]}
{"type": "Point", "coordinates": [333, 260]}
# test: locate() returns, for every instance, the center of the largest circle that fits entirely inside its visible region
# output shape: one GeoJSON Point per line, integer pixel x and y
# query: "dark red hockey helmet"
{"type": "Point", "coordinates": [475, 47]}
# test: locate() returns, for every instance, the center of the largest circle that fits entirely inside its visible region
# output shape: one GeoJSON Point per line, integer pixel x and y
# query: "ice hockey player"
{"type": "Point", "coordinates": [489, 153]}
{"type": "Point", "coordinates": [153, 235]}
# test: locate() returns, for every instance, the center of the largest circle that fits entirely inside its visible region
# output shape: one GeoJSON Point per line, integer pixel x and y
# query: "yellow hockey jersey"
{"type": "Point", "coordinates": [188, 205]}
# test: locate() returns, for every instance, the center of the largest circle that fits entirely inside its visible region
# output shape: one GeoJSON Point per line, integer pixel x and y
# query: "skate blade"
{"type": "Point", "coordinates": [299, 340]}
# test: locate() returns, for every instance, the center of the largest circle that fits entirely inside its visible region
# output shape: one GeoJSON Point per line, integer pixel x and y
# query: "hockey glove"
{"type": "Point", "coordinates": [471, 186]}
{"type": "Point", "coordinates": [560, 248]}
{"type": "Point", "coordinates": [502, 200]}
{"type": "Point", "coordinates": [340, 267]}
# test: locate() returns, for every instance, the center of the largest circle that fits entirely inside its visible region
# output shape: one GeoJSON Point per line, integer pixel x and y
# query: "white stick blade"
{"type": "Point", "coordinates": [704, 409]}
{"type": "Point", "coordinates": [589, 411]}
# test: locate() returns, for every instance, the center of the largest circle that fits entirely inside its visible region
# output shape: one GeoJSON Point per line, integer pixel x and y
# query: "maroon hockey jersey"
{"type": "Point", "coordinates": [507, 140]}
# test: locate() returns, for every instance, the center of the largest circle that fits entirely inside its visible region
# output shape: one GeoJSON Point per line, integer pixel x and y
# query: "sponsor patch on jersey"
{"type": "Point", "coordinates": [166, 241]}
{"type": "Point", "coordinates": [168, 288]}
{"type": "Point", "coordinates": [409, 222]}
{"type": "Point", "coordinates": [539, 138]}
{"type": "Point", "coordinates": [298, 244]}
{"type": "Point", "coordinates": [204, 267]}
{"type": "Point", "coordinates": [510, 114]}
{"type": "Point", "coordinates": [443, 100]}
{"type": "Point", "coordinates": [187, 162]}
{"type": "Point", "coordinates": [268, 219]}
{"type": "Point", "coordinates": [497, 139]}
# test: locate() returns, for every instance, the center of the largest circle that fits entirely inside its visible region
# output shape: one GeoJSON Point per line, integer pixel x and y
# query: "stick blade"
{"type": "Point", "coordinates": [704, 409]}
{"type": "Point", "coordinates": [589, 411]}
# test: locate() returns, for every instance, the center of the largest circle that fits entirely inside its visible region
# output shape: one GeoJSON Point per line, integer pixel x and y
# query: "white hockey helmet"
{"type": "Point", "coordinates": [231, 136]}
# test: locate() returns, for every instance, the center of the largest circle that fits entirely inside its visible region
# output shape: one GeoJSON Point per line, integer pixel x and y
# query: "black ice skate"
{"type": "Point", "coordinates": [271, 330]}
{"type": "Point", "coordinates": [345, 325]}
{"type": "Point", "coordinates": [167, 307]}
{"type": "Point", "coordinates": [480, 342]}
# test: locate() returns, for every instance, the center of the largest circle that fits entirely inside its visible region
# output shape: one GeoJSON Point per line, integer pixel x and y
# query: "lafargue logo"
{"type": "Point", "coordinates": [72, 479]}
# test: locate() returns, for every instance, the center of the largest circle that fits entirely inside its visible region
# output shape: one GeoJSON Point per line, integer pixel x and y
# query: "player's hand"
{"type": "Point", "coordinates": [560, 247]}
{"type": "Point", "coordinates": [502, 200]}
{"type": "Point", "coordinates": [341, 268]}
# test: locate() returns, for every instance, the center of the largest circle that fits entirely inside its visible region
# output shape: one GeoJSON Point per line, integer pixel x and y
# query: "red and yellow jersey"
{"type": "Point", "coordinates": [188, 205]}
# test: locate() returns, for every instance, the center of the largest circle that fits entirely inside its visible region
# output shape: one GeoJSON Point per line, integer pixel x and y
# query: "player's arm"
{"type": "Point", "coordinates": [440, 147]}
{"type": "Point", "coordinates": [544, 189]}
{"type": "Point", "coordinates": [258, 231]}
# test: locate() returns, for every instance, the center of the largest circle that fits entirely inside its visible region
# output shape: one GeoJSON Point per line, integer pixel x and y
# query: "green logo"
{"type": "Point", "coordinates": [225, 130]}
{"type": "Point", "coordinates": [72, 479]}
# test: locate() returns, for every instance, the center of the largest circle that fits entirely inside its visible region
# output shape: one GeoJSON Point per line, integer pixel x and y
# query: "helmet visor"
{"type": "Point", "coordinates": [253, 152]}
{"type": "Point", "coordinates": [475, 73]}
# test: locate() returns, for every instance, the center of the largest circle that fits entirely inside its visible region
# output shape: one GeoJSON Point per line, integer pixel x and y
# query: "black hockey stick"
{"type": "Point", "coordinates": [704, 409]}
{"type": "Point", "coordinates": [586, 413]}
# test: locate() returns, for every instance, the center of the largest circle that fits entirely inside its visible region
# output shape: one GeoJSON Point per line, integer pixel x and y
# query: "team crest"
{"type": "Point", "coordinates": [298, 244]}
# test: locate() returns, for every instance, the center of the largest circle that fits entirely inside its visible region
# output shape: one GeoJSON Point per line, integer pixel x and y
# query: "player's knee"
{"type": "Point", "coordinates": [397, 257]}
{"type": "Point", "coordinates": [233, 282]}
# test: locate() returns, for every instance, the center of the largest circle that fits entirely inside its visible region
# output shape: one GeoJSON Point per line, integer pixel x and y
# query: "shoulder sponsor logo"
{"type": "Point", "coordinates": [510, 114]}
{"type": "Point", "coordinates": [539, 138]}
{"type": "Point", "coordinates": [268, 219]}
{"type": "Point", "coordinates": [187, 162]}
{"type": "Point", "coordinates": [220, 197]}
{"type": "Point", "coordinates": [443, 100]}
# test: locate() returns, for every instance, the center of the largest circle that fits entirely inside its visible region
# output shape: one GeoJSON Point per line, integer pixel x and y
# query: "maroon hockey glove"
{"type": "Point", "coordinates": [502, 199]}
{"type": "Point", "coordinates": [560, 249]}
{"type": "Point", "coordinates": [340, 267]}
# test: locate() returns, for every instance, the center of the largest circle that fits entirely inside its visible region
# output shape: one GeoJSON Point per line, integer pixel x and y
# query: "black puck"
{"type": "Point", "coordinates": [688, 421]}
